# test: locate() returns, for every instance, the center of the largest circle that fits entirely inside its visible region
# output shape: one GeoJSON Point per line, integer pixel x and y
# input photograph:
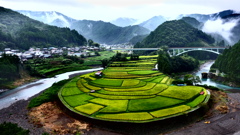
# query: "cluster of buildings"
{"type": "Point", "coordinates": [49, 52]}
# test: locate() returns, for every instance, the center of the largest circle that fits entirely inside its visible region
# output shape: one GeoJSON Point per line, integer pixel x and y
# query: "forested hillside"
{"type": "Point", "coordinates": [20, 32]}
{"type": "Point", "coordinates": [108, 33]}
{"type": "Point", "coordinates": [228, 62]}
{"type": "Point", "coordinates": [176, 33]}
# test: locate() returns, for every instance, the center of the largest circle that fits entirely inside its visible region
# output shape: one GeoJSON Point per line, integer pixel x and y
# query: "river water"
{"type": "Point", "coordinates": [205, 68]}
{"type": "Point", "coordinates": [26, 91]}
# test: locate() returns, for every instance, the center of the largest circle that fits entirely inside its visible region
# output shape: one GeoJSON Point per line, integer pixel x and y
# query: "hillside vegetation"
{"type": "Point", "coordinates": [228, 62]}
{"type": "Point", "coordinates": [21, 32]}
{"type": "Point", "coordinates": [176, 33]}
{"type": "Point", "coordinates": [108, 33]}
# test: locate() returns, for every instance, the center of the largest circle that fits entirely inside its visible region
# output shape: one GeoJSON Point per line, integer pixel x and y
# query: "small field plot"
{"type": "Point", "coordinates": [130, 91]}
{"type": "Point", "coordinates": [107, 82]}
{"type": "Point", "coordinates": [182, 92]}
{"type": "Point", "coordinates": [146, 72]}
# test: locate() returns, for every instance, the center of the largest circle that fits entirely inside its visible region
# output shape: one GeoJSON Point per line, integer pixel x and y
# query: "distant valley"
{"type": "Point", "coordinates": [123, 29]}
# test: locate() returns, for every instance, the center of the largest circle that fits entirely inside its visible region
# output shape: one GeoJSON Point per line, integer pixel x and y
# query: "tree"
{"type": "Point", "coordinates": [164, 63]}
{"type": "Point", "coordinates": [90, 42]}
{"type": "Point", "coordinates": [105, 63]}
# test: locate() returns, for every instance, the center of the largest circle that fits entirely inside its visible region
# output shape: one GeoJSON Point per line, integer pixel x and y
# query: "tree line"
{"type": "Point", "coordinates": [175, 64]}
{"type": "Point", "coordinates": [229, 63]}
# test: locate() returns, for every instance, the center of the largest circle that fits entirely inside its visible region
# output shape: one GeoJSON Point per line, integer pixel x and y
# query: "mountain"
{"type": "Point", "coordinates": [222, 26]}
{"type": "Point", "coordinates": [228, 62]}
{"type": "Point", "coordinates": [206, 17]}
{"type": "Point", "coordinates": [123, 22]}
{"type": "Point", "coordinates": [153, 22]}
{"type": "Point", "coordinates": [193, 22]}
{"type": "Point", "coordinates": [137, 39]}
{"type": "Point", "coordinates": [21, 32]}
{"type": "Point", "coordinates": [98, 31]}
{"type": "Point", "coordinates": [103, 32]}
{"type": "Point", "coordinates": [176, 33]}
{"type": "Point", "coordinates": [49, 17]}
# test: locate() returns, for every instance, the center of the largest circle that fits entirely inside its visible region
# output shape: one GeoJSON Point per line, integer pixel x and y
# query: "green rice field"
{"type": "Point", "coordinates": [131, 91]}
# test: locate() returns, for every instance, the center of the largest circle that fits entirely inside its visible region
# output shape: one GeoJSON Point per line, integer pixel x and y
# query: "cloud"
{"type": "Point", "coordinates": [111, 9]}
{"type": "Point", "coordinates": [221, 27]}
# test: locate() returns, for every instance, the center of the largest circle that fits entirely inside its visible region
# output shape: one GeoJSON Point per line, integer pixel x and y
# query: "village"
{"type": "Point", "coordinates": [81, 51]}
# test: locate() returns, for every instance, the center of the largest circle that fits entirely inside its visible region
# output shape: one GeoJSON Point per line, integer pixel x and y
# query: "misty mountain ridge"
{"type": "Point", "coordinates": [49, 17]}
{"type": "Point", "coordinates": [219, 25]}
{"type": "Point", "coordinates": [98, 31]}
{"type": "Point", "coordinates": [105, 32]}
{"type": "Point", "coordinates": [124, 21]}
{"type": "Point", "coordinates": [153, 22]}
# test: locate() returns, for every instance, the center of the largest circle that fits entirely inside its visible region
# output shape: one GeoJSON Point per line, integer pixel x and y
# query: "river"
{"type": "Point", "coordinates": [205, 68]}
{"type": "Point", "coordinates": [28, 90]}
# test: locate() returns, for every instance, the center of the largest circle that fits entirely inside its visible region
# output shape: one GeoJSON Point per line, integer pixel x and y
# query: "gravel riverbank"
{"type": "Point", "coordinates": [18, 113]}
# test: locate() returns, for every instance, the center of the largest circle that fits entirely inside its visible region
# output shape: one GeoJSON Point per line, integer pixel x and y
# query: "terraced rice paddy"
{"type": "Point", "coordinates": [130, 92]}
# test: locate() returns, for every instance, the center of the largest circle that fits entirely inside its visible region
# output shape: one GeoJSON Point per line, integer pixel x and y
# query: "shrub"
{"type": "Point", "coordinates": [7, 128]}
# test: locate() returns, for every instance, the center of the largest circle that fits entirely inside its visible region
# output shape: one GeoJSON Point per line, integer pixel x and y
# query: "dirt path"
{"type": "Point", "coordinates": [223, 124]}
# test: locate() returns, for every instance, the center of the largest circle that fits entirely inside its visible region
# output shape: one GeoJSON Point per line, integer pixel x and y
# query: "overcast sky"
{"type": "Point", "coordinates": [108, 10]}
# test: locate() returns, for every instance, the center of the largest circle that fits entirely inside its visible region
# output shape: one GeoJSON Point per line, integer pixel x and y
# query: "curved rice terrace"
{"type": "Point", "coordinates": [130, 92]}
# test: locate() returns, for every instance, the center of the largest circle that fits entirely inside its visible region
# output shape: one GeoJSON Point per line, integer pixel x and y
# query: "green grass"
{"type": "Point", "coordinates": [68, 91]}
{"type": "Point", "coordinates": [77, 100]}
{"type": "Point", "coordinates": [146, 72]}
{"type": "Point", "coordinates": [198, 100]}
{"type": "Point", "coordinates": [112, 106]}
{"type": "Point", "coordinates": [107, 82]}
{"type": "Point", "coordinates": [146, 87]}
{"type": "Point", "coordinates": [98, 95]}
{"type": "Point", "coordinates": [130, 82]}
{"type": "Point", "coordinates": [71, 84]}
{"type": "Point", "coordinates": [89, 108]}
{"type": "Point", "coordinates": [165, 79]}
{"type": "Point", "coordinates": [91, 87]}
{"type": "Point", "coordinates": [152, 103]}
{"type": "Point", "coordinates": [81, 87]}
{"type": "Point", "coordinates": [170, 111]}
{"type": "Point", "coordinates": [182, 92]}
{"type": "Point", "coordinates": [157, 89]}
{"type": "Point", "coordinates": [138, 116]}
